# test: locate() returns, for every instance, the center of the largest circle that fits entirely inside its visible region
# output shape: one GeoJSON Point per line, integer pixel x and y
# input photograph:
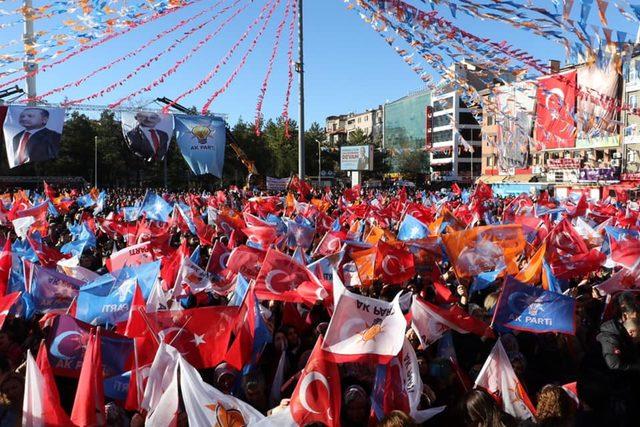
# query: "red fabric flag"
{"type": "Point", "coordinates": [455, 189]}
{"type": "Point", "coordinates": [281, 275]}
{"type": "Point", "coordinates": [317, 396]}
{"type": "Point", "coordinates": [568, 254]}
{"type": "Point", "coordinates": [246, 260]}
{"type": "Point", "coordinates": [52, 410]}
{"type": "Point", "coordinates": [626, 251]}
{"type": "Point", "coordinates": [218, 258]}
{"type": "Point", "coordinates": [88, 406]}
{"type": "Point", "coordinates": [135, 325]}
{"type": "Point", "coordinates": [171, 264]}
{"type": "Point", "coordinates": [6, 302]}
{"type": "Point", "coordinates": [330, 243]}
{"type": "Point", "coordinates": [205, 233]}
{"type": "Point", "coordinates": [5, 267]}
{"type": "Point", "coordinates": [47, 256]}
{"type": "Point", "coordinates": [263, 236]}
{"type": "Point", "coordinates": [200, 334]}
{"type": "Point", "coordinates": [555, 125]}
{"type": "Point", "coordinates": [394, 263]}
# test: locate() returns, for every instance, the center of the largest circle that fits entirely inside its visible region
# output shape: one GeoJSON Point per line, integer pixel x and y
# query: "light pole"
{"type": "Point", "coordinates": [95, 161]}
{"type": "Point", "coordinates": [301, 154]}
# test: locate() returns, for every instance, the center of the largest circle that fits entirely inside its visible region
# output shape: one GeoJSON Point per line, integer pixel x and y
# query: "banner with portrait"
{"type": "Point", "coordinates": [32, 133]}
{"type": "Point", "coordinates": [515, 105]}
{"type": "Point", "coordinates": [147, 133]}
{"type": "Point", "coordinates": [202, 142]}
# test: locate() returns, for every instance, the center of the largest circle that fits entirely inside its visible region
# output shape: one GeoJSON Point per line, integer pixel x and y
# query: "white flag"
{"type": "Point", "coordinates": [22, 225]}
{"type": "Point", "coordinates": [364, 326]}
{"type": "Point", "coordinates": [206, 406]}
{"type": "Point", "coordinates": [427, 324]}
{"type": "Point", "coordinates": [497, 376]}
{"type": "Point", "coordinates": [32, 404]}
{"type": "Point", "coordinates": [191, 275]}
{"type": "Point", "coordinates": [161, 375]}
{"type": "Point", "coordinates": [164, 413]}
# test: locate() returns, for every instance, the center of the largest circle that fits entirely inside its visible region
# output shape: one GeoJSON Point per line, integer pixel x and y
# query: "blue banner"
{"type": "Point", "coordinates": [202, 142]}
{"type": "Point", "coordinates": [51, 290]}
{"type": "Point", "coordinates": [530, 308]}
{"type": "Point", "coordinates": [411, 228]}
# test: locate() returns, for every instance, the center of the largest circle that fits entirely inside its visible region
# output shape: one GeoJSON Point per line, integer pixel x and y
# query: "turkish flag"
{"type": "Point", "coordinates": [330, 243]}
{"type": "Point", "coordinates": [394, 263]}
{"type": "Point", "coordinates": [568, 254]}
{"type": "Point", "coordinates": [625, 251]}
{"type": "Point", "coordinates": [171, 264]}
{"type": "Point", "coordinates": [200, 334]}
{"type": "Point", "coordinates": [205, 233]}
{"type": "Point", "coordinates": [218, 258]}
{"type": "Point", "coordinates": [261, 235]}
{"type": "Point", "coordinates": [5, 266]}
{"type": "Point", "coordinates": [556, 102]}
{"type": "Point", "coordinates": [88, 406]}
{"type": "Point", "coordinates": [246, 260]}
{"type": "Point", "coordinates": [131, 256]}
{"type": "Point", "coordinates": [112, 225]}
{"type": "Point", "coordinates": [47, 256]}
{"type": "Point", "coordinates": [317, 395]}
{"type": "Point", "coordinates": [281, 275]}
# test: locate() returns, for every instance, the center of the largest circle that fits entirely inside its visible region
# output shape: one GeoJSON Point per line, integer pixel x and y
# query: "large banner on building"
{"type": "Point", "coordinates": [356, 158]}
{"type": "Point", "coordinates": [596, 115]}
{"type": "Point", "coordinates": [32, 134]}
{"type": "Point", "coordinates": [147, 133]}
{"type": "Point", "coordinates": [515, 104]}
{"type": "Point", "coordinates": [556, 104]}
{"type": "Point", "coordinates": [202, 141]}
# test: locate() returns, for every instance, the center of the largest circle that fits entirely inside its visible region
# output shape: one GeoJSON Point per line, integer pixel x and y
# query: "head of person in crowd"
{"type": "Point", "coordinates": [555, 408]}
{"type": "Point", "coordinates": [479, 409]}
{"type": "Point", "coordinates": [628, 306]}
{"type": "Point", "coordinates": [356, 406]}
{"type": "Point", "coordinates": [397, 419]}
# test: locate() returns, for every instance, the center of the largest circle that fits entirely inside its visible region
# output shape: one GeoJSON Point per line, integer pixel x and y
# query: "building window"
{"type": "Point", "coordinates": [366, 118]}
{"type": "Point", "coordinates": [467, 119]}
{"type": "Point", "coordinates": [443, 104]}
{"type": "Point", "coordinates": [633, 71]}
{"type": "Point", "coordinates": [491, 120]}
{"type": "Point", "coordinates": [471, 134]}
{"type": "Point", "coordinates": [443, 120]}
{"type": "Point", "coordinates": [442, 136]}
{"type": "Point", "coordinates": [633, 101]}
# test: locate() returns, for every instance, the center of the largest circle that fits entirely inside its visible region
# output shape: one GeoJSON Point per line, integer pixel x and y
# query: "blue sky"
{"type": "Point", "coordinates": [349, 67]}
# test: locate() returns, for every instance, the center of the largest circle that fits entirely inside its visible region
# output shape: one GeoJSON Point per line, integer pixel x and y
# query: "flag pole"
{"type": "Point", "coordinates": [300, 66]}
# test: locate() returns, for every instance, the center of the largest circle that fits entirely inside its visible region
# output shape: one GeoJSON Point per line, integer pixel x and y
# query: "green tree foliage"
{"type": "Point", "coordinates": [358, 137]}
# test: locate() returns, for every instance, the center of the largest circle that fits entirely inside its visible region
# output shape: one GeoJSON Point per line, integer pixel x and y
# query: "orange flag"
{"type": "Point", "coordinates": [531, 273]}
{"type": "Point", "coordinates": [365, 262]}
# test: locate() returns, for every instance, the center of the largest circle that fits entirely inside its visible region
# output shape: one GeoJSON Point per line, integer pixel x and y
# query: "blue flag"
{"type": "Point", "coordinates": [130, 213]}
{"type": "Point", "coordinates": [83, 238]}
{"type": "Point", "coordinates": [85, 201]}
{"type": "Point", "coordinates": [195, 256]}
{"type": "Point", "coordinates": [117, 386]}
{"type": "Point", "coordinates": [105, 301]}
{"type": "Point", "coordinates": [102, 198]}
{"type": "Point", "coordinates": [155, 207]}
{"type": "Point", "coordinates": [182, 210]}
{"type": "Point", "coordinates": [530, 308]}
{"type": "Point", "coordinates": [411, 229]}
{"type": "Point", "coordinates": [299, 235]}
{"type": "Point", "coordinates": [239, 291]}
{"type": "Point", "coordinates": [52, 290]}
{"type": "Point", "coordinates": [202, 142]}
{"type": "Point", "coordinates": [484, 280]}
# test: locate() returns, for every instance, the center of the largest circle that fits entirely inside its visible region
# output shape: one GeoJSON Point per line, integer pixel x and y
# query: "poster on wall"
{"type": "Point", "coordinates": [356, 158]}
{"type": "Point", "coordinates": [202, 142]}
{"type": "Point", "coordinates": [147, 133]}
{"type": "Point", "coordinates": [556, 104]}
{"type": "Point", "coordinates": [515, 104]}
{"type": "Point", "coordinates": [32, 134]}
{"type": "Point", "coordinates": [597, 119]}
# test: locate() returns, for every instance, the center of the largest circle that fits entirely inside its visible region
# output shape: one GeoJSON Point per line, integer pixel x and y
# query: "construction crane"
{"type": "Point", "coordinates": [5, 93]}
{"type": "Point", "coordinates": [240, 154]}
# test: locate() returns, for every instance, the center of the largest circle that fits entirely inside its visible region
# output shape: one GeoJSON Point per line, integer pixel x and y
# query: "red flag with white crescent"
{"type": "Point", "coordinates": [317, 395]}
{"type": "Point", "coordinates": [394, 263]}
{"type": "Point", "coordinates": [281, 275]}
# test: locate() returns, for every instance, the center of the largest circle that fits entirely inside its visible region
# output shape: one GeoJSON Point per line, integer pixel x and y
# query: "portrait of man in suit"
{"type": "Point", "coordinates": [34, 142]}
{"type": "Point", "coordinates": [146, 140]}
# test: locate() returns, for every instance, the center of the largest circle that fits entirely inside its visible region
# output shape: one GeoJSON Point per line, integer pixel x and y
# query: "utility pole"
{"type": "Point", "coordinates": [301, 153]}
{"type": "Point", "coordinates": [28, 41]}
{"type": "Point", "coordinates": [95, 161]}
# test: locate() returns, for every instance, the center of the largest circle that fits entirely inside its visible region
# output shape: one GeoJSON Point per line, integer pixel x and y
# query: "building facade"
{"type": "Point", "coordinates": [339, 128]}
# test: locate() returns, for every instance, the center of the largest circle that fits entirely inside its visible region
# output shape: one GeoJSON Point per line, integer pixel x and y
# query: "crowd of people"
{"type": "Point", "coordinates": [585, 376]}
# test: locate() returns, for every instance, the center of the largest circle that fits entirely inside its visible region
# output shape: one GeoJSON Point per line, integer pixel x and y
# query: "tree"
{"type": "Point", "coordinates": [358, 137]}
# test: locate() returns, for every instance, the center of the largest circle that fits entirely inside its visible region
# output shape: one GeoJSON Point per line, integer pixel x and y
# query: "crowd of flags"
{"type": "Point", "coordinates": [126, 336]}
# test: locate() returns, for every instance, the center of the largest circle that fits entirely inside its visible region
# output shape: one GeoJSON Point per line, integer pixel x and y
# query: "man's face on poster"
{"type": "Point", "coordinates": [33, 118]}
{"type": "Point", "coordinates": [148, 120]}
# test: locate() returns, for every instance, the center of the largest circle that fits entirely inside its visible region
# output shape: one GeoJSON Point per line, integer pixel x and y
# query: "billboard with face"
{"type": "Point", "coordinates": [32, 134]}
{"type": "Point", "coordinates": [148, 133]}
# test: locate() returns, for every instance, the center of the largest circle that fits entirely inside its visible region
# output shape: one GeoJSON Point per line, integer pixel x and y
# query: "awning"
{"type": "Point", "coordinates": [492, 179]}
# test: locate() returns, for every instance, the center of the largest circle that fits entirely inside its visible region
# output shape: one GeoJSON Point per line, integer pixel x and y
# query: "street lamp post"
{"type": "Point", "coordinates": [319, 162]}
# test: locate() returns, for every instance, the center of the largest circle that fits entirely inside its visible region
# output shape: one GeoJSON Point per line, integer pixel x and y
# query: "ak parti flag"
{"type": "Point", "coordinates": [479, 249]}
{"type": "Point", "coordinates": [364, 328]}
{"type": "Point", "coordinates": [88, 406]}
{"type": "Point", "coordinates": [530, 308]}
{"type": "Point", "coordinates": [365, 261]}
{"type": "Point", "coordinates": [317, 396]}
{"type": "Point", "coordinates": [498, 378]}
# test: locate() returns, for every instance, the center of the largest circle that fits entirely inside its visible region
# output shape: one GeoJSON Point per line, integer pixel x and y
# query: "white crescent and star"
{"type": "Point", "coordinates": [55, 345]}
{"type": "Point", "coordinates": [304, 384]}
{"type": "Point", "coordinates": [269, 278]}
{"type": "Point", "coordinates": [222, 261]}
{"type": "Point", "coordinates": [385, 264]}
